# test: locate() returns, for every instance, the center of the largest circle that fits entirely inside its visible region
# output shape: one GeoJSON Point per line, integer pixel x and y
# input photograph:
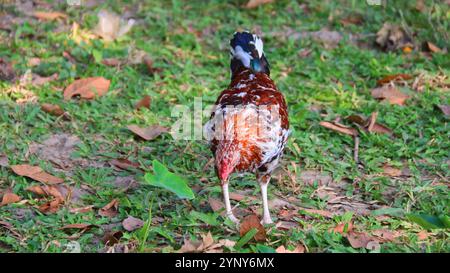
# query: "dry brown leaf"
{"type": "Point", "coordinates": [110, 209]}
{"type": "Point", "coordinates": [391, 171]}
{"type": "Point", "coordinates": [112, 237]}
{"type": "Point", "coordinates": [87, 88]}
{"type": "Point", "coordinates": [38, 80]}
{"type": "Point", "coordinates": [51, 15]}
{"type": "Point", "coordinates": [393, 78]}
{"type": "Point", "coordinates": [112, 62]}
{"type": "Point", "coordinates": [358, 239]}
{"type": "Point", "coordinates": [4, 162]}
{"type": "Point", "coordinates": [286, 225]}
{"type": "Point", "coordinates": [250, 222]}
{"type": "Point", "coordinates": [433, 48]}
{"type": "Point", "coordinates": [52, 109]}
{"type": "Point", "coordinates": [422, 235]}
{"type": "Point", "coordinates": [34, 61]}
{"type": "Point", "coordinates": [69, 57]}
{"type": "Point", "coordinates": [9, 197]}
{"type": "Point", "coordinates": [392, 37]}
{"type": "Point", "coordinates": [144, 102]}
{"type": "Point", "coordinates": [206, 245]}
{"type": "Point", "coordinates": [255, 3]}
{"type": "Point", "coordinates": [50, 206]}
{"type": "Point", "coordinates": [77, 226]}
{"type": "Point", "coordinates": [132, 223]}
{"type": "Point", "coordinates": [124, 164]}
{"type": "Point", "coordinates": [323, 213]}
{"type": "Point", "coordinates": [390, 94]}
{"type": "Point", "coordinates": [339, 128]}
{"type": "Point", "coordinates": [36, 173]}
{"type": "Point", "coordinates": [299, 249]}
{"type": "Point", "coordinates": [343, 228]}
{"type": "Point", "coordinates": [149, 64]}
{"type": "Point", "coordinates": [445, 109]}
{"type": "Point", "coordinates": [148, 133]}
{"type": "Point", "coordinates": [304, 53]}
{"type": "Point", "coordinates": [385, 235]}
{"type": "Point", "coordinates": [215, 204]}
{"type": "Point", "coordinates": [6, 71]}
{"type": "Point", "coordinates": [352, 19]}
{"type": "Point", "coordinates": [46, 191]}
{"type": "Point", "coordinates": [81, 210]}
{"type": "Point", "coordinates": [369, 124]}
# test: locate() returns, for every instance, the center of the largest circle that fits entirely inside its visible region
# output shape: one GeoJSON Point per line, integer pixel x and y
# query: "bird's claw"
{"type": "Point", "coordinates": [233, 218]}
{"type": "Point", "coordinates": [266, 221]}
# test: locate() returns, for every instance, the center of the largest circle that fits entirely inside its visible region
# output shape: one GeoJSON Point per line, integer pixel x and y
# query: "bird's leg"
{"type": "Point", "coordinates": [226, 197]}
{"type": "Point", "coordinates": [264, 182]}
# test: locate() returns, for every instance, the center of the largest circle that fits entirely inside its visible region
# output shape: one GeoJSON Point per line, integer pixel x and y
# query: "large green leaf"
{"type": "Point", "coordinates": [429, 221]}
{"type": "Point", "coordinates": [164, 179]}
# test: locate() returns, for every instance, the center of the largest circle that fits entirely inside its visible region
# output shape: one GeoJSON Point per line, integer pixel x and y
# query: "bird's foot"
{"type": "Point", "coordinates": [233, 218]}
{"type": "Point", "coordinates": [266, 221]}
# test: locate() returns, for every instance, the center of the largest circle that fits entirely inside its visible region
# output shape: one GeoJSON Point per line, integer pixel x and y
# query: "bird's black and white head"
{"type": "Point", "coordinates": [247, 52]}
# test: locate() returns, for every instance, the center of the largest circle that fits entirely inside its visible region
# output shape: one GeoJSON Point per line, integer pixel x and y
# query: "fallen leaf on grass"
{"type": "Point", "coordinates": [51, 15]}
{"type": "Point", "coordinates": [50, 207]}
{"type": "Point", "coordinates": [132, 223]}
{"type": "Point", "coordinates": [6, 71]}
{"type": "Point", "coordinates": [445, 109]}
{"type": "Point", "coordinates": [339, 128]}
{"type": "Point", "coordinates": [36, 173]}
{"type": "Point", "coordinates": [87, 88]}
{"type": "Point", "coordinates": [323, 213]}
{"type": "Point", "coordinates": [299, 249]}
{"type": "Point", "coordinates": [9, 197]}
{"type": "Point", "coordinates": [58, 149]}
{"type": "Point", "coordinates": [149, 65]}
{"type": "Point", "coordinates": [343, 228]}
{"type": "Point", "coordinates": [358, 239]}
{"type": "Point", "coordinates": [352, 19]}
{"type": "Point", "coordinates": [112, 62]}
{"type": "Point", "coordinates": [369, 124]}
{"type": "Point", "coordinates": [52, 109]}
{"type": "Point", "coordinates": [393, 78]}
{"type": "Point", "coordinates": [46, 191]}
{"type": "Point", "coordinates": [112, 237]}
{"type": "Point", "coordinates": [250, 222]}
{"type": "Point", "coordinates": [392, 37]}
{"type": "Point", "coordinates": [110, 26]}
{"type": "Point", "coordinates": [110, 209]}
{"type": "Point", "coordinates": [215, 204]}
{"type": "Point", "coordinates": [433, 48]}
{"type": "Point", "coordinates": [124, 164]}
{"type": "Point", "coordinates": [391, 171]}
{"type": "Point", "coordinates": [422, 235]}
{"type": "Point", "coordinates": [144, 102]}
{"type": "Point", "coordinates": [389, 93]}
{"type": "Point", "coordinates": [286, 225]}
{"type": "Point", "coordinates": [330, 39]}
{"type": "Point", "coordinates": [76, 226]}
{"type": "Point", "coordinates": [206, 245]}
{"type": "Point", "coordinates": [255, 3]}
{"type": "Point", "coordinates": [385, 235]}
{"type": "Point", "coordinates": [4, 162]}
{"type": "Point", "coordinates": [148, 133]}
{"type": "Point", "coordinates": [38, 80]}
{"type": "Point", "coordinates": [81, 210]}
{"type": "Point", "coordinates": [34, 61]}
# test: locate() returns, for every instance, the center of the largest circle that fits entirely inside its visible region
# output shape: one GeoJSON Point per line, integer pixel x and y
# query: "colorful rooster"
{"type": "Point", "coordinates": [249, 123]}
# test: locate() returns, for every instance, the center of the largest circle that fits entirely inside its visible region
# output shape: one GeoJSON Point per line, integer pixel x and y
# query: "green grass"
{"type": "Point", "coordinates": [339, 80]}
